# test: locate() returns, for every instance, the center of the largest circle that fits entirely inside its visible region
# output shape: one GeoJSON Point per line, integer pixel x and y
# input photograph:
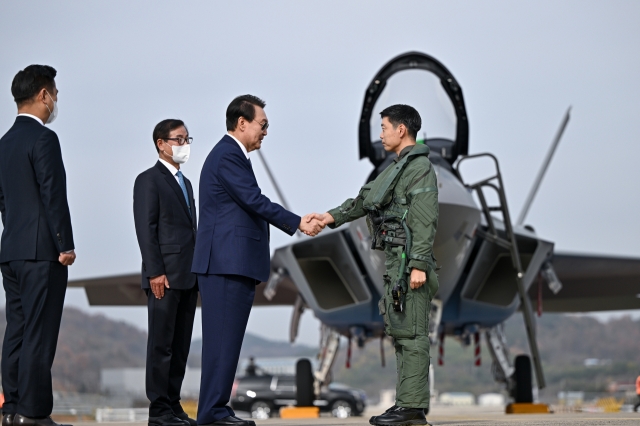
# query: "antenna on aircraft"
{"type": "Point", "coordinates": [283, 200]}
{"type": "Point", "coordinates": [543, 169]}
{"type": "Point", "coordinates": [273, 181]}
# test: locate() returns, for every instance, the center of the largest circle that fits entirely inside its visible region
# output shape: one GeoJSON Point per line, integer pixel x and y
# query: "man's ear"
{"type": "Point", "coordinates": [158, 144]}
{"type": "Point", "coordinates": [402, 130]}
{"type": "Point", "coordinates": [42, 95]}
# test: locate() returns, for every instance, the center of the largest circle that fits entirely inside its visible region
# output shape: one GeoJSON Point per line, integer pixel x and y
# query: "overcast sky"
{"type": "Point", "coordinates": [123, 66]}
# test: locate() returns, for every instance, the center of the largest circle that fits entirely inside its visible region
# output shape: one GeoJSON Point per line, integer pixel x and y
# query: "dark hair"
{"type": "Point", "coordinates": [242, 106]}
{"type": "Point", "coordinates": [164, 128]}
{"type": "Point", "coordinates": [28, 82]}
{"type": "Point", "coordinates": [403, 114]}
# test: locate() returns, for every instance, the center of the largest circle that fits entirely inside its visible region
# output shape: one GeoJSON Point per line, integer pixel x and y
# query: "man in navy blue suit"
{"type": "Point", "coordinates": [232, 252]}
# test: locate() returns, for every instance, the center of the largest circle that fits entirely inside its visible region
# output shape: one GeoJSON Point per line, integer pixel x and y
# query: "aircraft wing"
{"type": "Point", "coordinates": [124, 290]}
{"type": "Point", "coordinates": [592, 283]}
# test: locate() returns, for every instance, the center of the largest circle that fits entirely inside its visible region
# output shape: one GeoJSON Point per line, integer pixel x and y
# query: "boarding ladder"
{"type": "Point", "coordinates": [508, 242]}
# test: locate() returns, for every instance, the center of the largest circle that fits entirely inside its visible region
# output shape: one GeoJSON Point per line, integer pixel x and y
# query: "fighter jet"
{"type": "Point", "coordinates": [490, 267]}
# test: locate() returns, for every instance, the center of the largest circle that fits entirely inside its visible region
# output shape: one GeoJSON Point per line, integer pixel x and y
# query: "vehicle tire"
{"type": "Point", "coordinates": [305, 393]}
{"type": "Point", "coordinates": [341, 409]}
{"type": "Point", "coordinates": [261, 410]}
{"type": "Point", "coordinates": [524, 384]}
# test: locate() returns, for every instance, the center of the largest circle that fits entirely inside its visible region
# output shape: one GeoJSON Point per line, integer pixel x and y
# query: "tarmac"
{"type": "Point", "coordinates": [463, 416]}
{"type": "Point", "coordinates": [466, 416]}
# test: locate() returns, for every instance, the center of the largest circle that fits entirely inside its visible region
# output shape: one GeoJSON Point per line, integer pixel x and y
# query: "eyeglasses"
{"type": "Point", "coordinates": [264, 126]}
{"type": "Point", "coordinates": [181, 141]}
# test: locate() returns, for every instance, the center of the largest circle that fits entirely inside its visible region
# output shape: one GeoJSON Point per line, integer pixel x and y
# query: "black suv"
{"type": "Point", "coordinates": [263, 395]}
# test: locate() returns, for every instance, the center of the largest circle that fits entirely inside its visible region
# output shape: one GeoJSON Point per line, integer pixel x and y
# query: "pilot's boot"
{"type": "Point", "coordinates": [400, 417]}
{"type": "Point", "coordinates": [372, 420]}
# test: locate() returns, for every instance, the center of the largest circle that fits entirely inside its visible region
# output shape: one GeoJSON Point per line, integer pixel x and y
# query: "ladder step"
{"type": "Point", "coordinates": [495, 209]}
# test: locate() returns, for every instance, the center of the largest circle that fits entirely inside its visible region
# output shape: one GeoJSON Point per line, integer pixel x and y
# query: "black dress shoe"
{"type": "Point", "coordinates": [402, 417]}
{"type": "Point", "coordinates": [7, 419]}
{"type": "Point", "coordinates": [167, 420]}
{"type": "Point", "coordinates": [251, 422]}
{"type": "Point", "coordinates": [185, 418]}
{"type": "Point", "coordinates": [232, 421]}
{"type": "Point", "coordinates": [20, 420]}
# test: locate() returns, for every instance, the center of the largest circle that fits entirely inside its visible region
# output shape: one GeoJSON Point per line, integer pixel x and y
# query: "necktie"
{"type": "Point", "coordinates": [184, 188]}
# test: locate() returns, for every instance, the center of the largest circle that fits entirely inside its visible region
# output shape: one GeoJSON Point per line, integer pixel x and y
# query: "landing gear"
{"type": "Point", "coordinates": [522, 391]}
{"type": "Point", "coordinates": [516, 377]}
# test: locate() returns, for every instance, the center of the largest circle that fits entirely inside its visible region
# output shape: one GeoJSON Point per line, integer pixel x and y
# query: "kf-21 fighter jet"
{"type": "Point", "coordinates": [491, 267]}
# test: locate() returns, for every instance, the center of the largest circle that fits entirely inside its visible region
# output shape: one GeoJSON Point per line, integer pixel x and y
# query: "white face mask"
{"type": "Point", "coordinates": [52, 114]}
{"type": "Point", "coordinates": [181, 153]}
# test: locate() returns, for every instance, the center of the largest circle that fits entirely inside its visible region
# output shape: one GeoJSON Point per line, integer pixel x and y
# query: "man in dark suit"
{"type": "Point", "coordinates": [37, 246]}
{"type": "Point", "coordinates": [232, 252]}
{"type": "Point", "coordinates": [165, 216]}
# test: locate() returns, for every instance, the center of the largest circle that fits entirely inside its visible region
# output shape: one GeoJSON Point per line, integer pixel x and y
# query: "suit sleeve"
{"type": "Point", "coordinates": [237, 178]}
{"type": "Point", "coordinates": [146, 213]}
{"type": "Point", "coordinates": [2, 208]}
{"type": "Point", "coordinates": [52, 180]}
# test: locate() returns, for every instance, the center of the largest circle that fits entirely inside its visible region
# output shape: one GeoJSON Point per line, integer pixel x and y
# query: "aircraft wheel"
{"type": "Point", "coordinates": [523, 392]}
{"type": "Point", "coordinates": [261, 410]}
{"type": "Point", "coordinates": [304, 383]}
{"type": "Point", "coordinates": [341, 409]}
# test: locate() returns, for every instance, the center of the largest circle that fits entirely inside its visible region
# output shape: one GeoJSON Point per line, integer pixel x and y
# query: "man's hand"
{"type": "Point", "coordinates": [158, 285]}
{"type": "Point", "coordinates": [67, 258]}
{"type": "Point", "coordinates": [325, 218]}
{"type": "Point", "coordinates": [311, 225]}
{"type": "Point", "coordinates": [418, 278]}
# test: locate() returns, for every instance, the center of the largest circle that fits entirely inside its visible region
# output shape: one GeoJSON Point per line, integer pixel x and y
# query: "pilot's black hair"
{"type": "Point", "coordinates": [164, 128]}
{"type": "Point", "coordinates": [403, 114]}
{"type": "Point", "coordinates": [243, 106]}
{"type": "Point", "coordinates": [28, 82]}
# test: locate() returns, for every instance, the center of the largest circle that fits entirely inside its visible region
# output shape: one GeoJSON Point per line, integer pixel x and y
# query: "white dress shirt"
{"type": "Point", "coordinates": [244, 150]}
{"type": "Point", "coordinates": [32, 116]}
{"type": "Point", "coordinates": [172, 169]}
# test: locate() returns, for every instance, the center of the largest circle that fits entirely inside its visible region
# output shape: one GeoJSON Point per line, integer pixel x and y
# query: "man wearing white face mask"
{"type": "Point", "coordinates": [165, 217]}
{"type": "Point", "coordinates": [37, 247]}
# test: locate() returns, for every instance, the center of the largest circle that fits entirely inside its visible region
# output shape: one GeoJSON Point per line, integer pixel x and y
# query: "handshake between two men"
{"type": "Point", "coordinates": [313, 223]}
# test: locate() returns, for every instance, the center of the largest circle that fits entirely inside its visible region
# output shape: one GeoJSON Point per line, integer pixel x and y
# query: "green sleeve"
{"type": "Point", "coordinates": [422, 219]}
{"type": "Point", "coordinates": [351, 209]}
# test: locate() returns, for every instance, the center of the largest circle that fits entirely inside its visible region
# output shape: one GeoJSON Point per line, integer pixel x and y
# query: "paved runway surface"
{"type": "Point", "coordinates": [485, 420]}
{"type": "Point", "coordinates": [466, 416]}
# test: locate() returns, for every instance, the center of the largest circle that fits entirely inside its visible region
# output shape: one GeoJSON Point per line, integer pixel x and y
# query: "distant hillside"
{"type": "Point", "coordinates": [257, 347]}
{"type": "Point", "coordinates": [89, 343]}
{"type": "Point", "coordinates": [564, 341]}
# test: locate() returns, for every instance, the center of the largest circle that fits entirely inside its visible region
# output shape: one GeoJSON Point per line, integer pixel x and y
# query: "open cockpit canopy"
{"type": "Point", "coordinates": [434, 93]}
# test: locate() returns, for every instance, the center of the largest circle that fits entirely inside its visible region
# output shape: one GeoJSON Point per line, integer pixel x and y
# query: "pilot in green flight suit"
{"type": "Point", "coordinates": [401, 206]}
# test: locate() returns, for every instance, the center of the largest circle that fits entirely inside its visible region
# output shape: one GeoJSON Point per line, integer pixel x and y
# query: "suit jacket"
{"type": "Point", "coordinates": [233, 236]}
{"type": "Point", "coordinates": [33, 194]}
{"type": "Point", "coordinates": [165, 228]}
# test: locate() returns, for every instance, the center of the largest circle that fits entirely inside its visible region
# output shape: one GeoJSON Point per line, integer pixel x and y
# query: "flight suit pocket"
{"type": "Point", "coordinates": [401, 324]}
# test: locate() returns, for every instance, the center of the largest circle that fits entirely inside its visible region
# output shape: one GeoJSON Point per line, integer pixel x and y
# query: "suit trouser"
{"type": "Point", "coordinates": [170, 327]}
{"type": "Point", "coordinates": [226, 304]}
{"type": "Point", "coordinates": [35, 292]}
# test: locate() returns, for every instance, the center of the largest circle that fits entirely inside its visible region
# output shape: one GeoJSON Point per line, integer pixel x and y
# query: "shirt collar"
{"type": "Point", "coordinates": [32, 116]}
{"type": "Point", "coordinates": [172, 169]}
{"type": "Point", "coordinates": [244, 150]}
{"type": "Point", "coordinates": [404, 152]}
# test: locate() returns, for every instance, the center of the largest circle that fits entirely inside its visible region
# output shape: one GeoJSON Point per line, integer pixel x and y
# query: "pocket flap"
{"type": "Point", "coordinates": [169, 248]}
{"type": "Point", "coordinates": [382, 307]}
{"type": "Point", "coordinates": [241, 231]}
